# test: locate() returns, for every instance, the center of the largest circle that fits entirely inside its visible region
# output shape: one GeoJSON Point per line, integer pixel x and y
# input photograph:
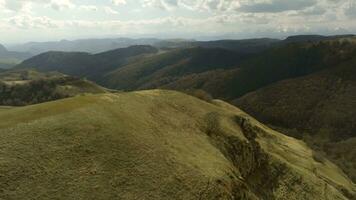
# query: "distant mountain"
{"type": "Point", "coordinates": [24, 87]}
{"type": "Point", "coordinates": [156, 145]}
{"type": "Point", "coordinates": [84, 45]}
{"type": "Point", "coordinates": [102, 45]}
{"type": "Point", "coordinates": [227, 74]}
{"type": "Point", "coordinates": [86, 65]}
{"type": "Point", "coordinates": [10, 58]}
{"type": "Point", "coordinates": [243, 46]}
{"type": "Point", "coordinates": [313, 38]}
{"type": "Point", "coordinates": [2, 49]}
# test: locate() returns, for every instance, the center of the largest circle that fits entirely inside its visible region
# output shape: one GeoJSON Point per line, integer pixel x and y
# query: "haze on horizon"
{"type": "Point", "coordinates": [45, 20]}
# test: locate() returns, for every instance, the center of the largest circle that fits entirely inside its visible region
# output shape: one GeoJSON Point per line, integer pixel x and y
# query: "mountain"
{"type": "Point", "coordinates": [241, 46]}
{"type": "Point", "coordinates": [313, 38]}
{"type": "Point", "coordinates": [155, 145]}
{"type": "Point", "coordinates": [24, 87]}
{"type": "Point", "coordinates": [95, 46]}
{"type": "Point", "coordinates": [9, 59]}
{"type": "Point", "coordinates": [92, 46]}
{"type": "Point", "coordinates": [228, 74]}
{"type": "Point", "coordinates": [225, 74]}
{"type": "Point", "coordinates": [87, 65]}
{"type": "Point", "coordinates": [2, 49]}
{"type": "Point", "coordinates": [167, 67]}
{"type": "Point", "coordinates": [319, 108]}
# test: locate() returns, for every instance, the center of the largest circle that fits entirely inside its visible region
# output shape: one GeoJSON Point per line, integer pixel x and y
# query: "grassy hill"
{"type": "Point", "coordinates": [155, 145]}
{"type": "Point", "coordinates": [23, 87]}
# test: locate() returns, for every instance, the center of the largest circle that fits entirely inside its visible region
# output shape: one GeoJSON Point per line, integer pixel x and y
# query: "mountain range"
{"type": "Point", "coordinates": [9, 59]}
{"type": "Point", "coordinates": [301, 90]}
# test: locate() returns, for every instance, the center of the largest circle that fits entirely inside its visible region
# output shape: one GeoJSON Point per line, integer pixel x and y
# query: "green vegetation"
{"type": "Point", "coordinates": [156, 71]}
{"type": "Point", "coordinates": [155, 145]}
{"type": "Point", "coordinates": [18, 88]}
{"type": "Point", "coordinates": [91, 66]}
{"type": "Point", "coordinates": [304, 85]}
{"type": "Point", "coordinates": [320, 107]}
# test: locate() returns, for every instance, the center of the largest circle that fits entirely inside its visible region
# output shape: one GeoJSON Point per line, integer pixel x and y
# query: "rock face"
{"type": "Point", "coordinates": [155, 145]}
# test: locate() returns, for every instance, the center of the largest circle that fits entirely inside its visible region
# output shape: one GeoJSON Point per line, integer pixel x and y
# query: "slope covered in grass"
{"type": "Point", "coordinates": [155, 145]}
{"type": "Point", "coordinates": [24, 87]}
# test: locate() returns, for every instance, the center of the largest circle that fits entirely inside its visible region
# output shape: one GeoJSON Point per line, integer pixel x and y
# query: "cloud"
{"type": "Point", "coordinates": [26, 5]}
{"type": "Point", "coordinates": [350, 9]}
{"type": "Point", "coordinates": [61, 4]}
{"type": "Point", "coordinates": [118, 2]}
{"type": "Point", "coordinates": [109, 10]}
{"type": "Point", "coordinates": [252, 6]}
{"type": "Point", "coordinates": [275, 5]}
{"type": "Point", "coordinates": [30, 22]}
{"type": "Point", "coordinates": [88, 8]}
{"type": "Point", "coordinates": [163, 4]}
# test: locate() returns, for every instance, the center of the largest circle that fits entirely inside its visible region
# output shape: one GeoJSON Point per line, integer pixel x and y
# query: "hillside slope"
{"type": "Point", "coordinates": [9, 59]}
{"type": "Point", "coordinates": [91, 66]}
{"type": "Point", "coordinates": [155, 145]}
{"type": "Point", "coordinates": [226, 74]}
{"type": "Point", "coordinates": [321, 107]}
{"type": "Point", "coordinates": [223, 73]}
{"type": "Point", "coordinates": [165, 68]}
{"type": "Point", "coordinates": [24, 87]}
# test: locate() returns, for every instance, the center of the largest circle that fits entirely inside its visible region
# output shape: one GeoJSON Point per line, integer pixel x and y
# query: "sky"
{"type": "Point", "coordinates": [47, 20]}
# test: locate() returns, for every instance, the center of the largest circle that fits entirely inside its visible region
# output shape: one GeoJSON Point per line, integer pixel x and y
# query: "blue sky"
{"type": "Point", "coordinates": [44, 20]}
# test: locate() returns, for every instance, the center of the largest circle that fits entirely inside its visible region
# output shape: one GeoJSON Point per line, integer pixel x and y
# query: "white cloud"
{"type": "Point", "coordinates": [88, 8]}
{"type": "Point", "coordinates": [61, 4]}
{"type": "Point", "coordinates": [233, 5]}
{"type": "Point", "coordinates": [248, 18]}
{"type": "Point", "coordinates": [118, 2]}
{"type": "Point", "coordinates": [109, 10]}
{"type": "Point", "coordinates": [30, 22]}
{"type": "Point", "coordinates": [27, 5]}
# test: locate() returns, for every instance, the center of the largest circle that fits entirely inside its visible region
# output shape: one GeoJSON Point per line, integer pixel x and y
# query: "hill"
{"type": "Point", "coordinates": [86, 65]}
{"type": "Point", "coordinates": [321, 108]}
{"type": "Point", "coordinates": [242, 46]}
{"type": "Point", "coordinates": [227, 74]}
{"type": "Point", "coordinates": [314, 38]}
{"type": "Point", "coordinates": [24, 87]}
{"type": "Point", "coordinates": [9, 59]}
{"type": "Point", "coordinates": [223, 73]}
{"type": "Point", "coordinates": [168, 67]}
{"type": "Point", "coordinates": [155, 145]}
